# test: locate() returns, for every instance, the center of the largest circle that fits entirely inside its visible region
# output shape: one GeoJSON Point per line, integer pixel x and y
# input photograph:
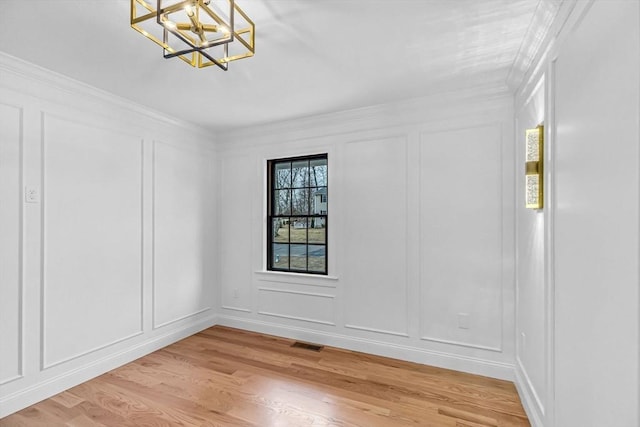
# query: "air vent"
{"type": "Point", "coordinates": [307, 346]}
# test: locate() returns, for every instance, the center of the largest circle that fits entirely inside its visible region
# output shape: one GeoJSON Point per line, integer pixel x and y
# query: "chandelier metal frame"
{"type": "Point", "coordinates": [193, 31]}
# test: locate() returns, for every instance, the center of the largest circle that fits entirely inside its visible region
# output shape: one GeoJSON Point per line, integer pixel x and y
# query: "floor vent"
{"type": "Point", "coordinates": [307, 346]}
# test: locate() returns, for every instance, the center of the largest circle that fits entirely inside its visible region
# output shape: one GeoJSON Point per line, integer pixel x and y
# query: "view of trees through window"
{"type": "Point", "coordinates": [297, 214]}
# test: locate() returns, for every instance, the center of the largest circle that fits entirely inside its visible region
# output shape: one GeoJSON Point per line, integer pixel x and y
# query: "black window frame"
{"type": "Point", "coordinates": [271, 215]}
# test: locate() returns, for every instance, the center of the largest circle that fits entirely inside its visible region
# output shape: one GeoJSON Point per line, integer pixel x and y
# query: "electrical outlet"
{"type": "Point", "coordinates": [31, 194]}
{"type": "Point", "coordinates": [463, 320]}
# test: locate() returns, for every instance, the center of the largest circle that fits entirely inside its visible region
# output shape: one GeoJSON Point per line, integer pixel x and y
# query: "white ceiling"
{"type": "Point", "coordinates": [312, 56]}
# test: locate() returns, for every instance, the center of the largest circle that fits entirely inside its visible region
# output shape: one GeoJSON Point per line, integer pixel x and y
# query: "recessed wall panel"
{"type": "Point", "coordinates": [237, 175]}
{"type": "Point", "coordinates": [375, 235]}
{"type": "Point", "coordinates": [311, 307]}
{"type": "Point", "coordinates": [10, 243]}
{"type": "Point", "coordinates": [461, 236]}
{"type": "Point", "coordinates": [92, 210]}
{"type": "Point", "coordinates": [530, 268]}
{"type": "Point", "coordinates": [182, 192]}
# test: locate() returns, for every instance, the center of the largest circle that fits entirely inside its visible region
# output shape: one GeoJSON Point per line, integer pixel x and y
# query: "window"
{"type": "Point", "coordinates": [297, 214]}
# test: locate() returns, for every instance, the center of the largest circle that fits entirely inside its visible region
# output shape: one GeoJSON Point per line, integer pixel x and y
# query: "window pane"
{"type": "Point", "coordinates": [318, 172]}
{"type": "Point", "coordinates": [283, 175]}
{"type": "Point", "coordinates": [280, 230]}
{"type": "Point", "coordinates": [298, 191]}
{"type": "Point", "coordinates": [319, 201]}
{"type": "Point", "coordinates": [317, 232]}
{"type": "Point", "coordinates": [299, 257]}
{"type": "Point", "coordinates": [300, 174]}
{"type": "Point", "coordinates": [298, 230]}
{"type": "Point", "coordinates": [282, 202]}
{"type": "Point", "coordinates": [317, 258]}
{"type": "Point", "coordinates": [300, 202]}
{"type": "Point", "coordinates": [280, 256]}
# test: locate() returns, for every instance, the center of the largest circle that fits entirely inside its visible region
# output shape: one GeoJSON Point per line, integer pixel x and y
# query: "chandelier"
{"type": "Point", "coordinates": [200, 32]}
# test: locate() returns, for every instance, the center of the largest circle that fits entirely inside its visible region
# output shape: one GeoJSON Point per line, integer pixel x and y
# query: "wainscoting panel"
{"type": "Point", "coordinates": [92, 238]}
{"type": "Point", "coordinates": [11, 306]}
{"type": "Point", "coordinates": [237, 176]}
{"type": "Point", "coordinates": [313, 307]}
{"type": "Point", "coordinates": [375, 261]}
{"type": "Point", "coordinates": [531, 291]}
{"type": "Point", "coordinates": [182, 192]}
{"type": "Point", "coordinates": [461, 235]}
{"type": "Point", "coordinates": [77, 261]}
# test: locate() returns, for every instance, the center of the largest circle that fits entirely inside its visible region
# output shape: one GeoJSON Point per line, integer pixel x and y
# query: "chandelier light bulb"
{"type": "Point", "coordinates": [189, 10]}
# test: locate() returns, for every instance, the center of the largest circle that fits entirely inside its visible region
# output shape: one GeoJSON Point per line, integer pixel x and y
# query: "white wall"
{"type": "Point", "coordinates": [578, 308]}
{"type": "Point", "coordinates": [11, 242]}
{"type": "Point", "coordinates": [597, 80]}
{"type": "Point", "coordinates": [117, 255]}
{"type": "Point", "coordinates": [531, 291]}
{"type": "Point", "coordinates": [438, 244]}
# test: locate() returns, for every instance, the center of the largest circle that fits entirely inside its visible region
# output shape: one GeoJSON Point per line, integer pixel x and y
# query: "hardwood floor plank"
{"type": "Point", "coordinates": [83, 421]}
{"type": "Point", "coordinates": [224, 377]}
{"type": "Point", "coordinates": [99, 415]}
{"type": "Point", "coordinates": [67, 399]}
{"type": "Point", "coordinates": [466, 416]}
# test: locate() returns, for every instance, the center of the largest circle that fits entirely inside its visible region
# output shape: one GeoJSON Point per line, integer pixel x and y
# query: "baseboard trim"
{"type": "Point", "coordinates": [529, 398]}
{"type": "Point", "coordinates": [500, 370]}
{"type": "Point", "coordinates": [43, 390]}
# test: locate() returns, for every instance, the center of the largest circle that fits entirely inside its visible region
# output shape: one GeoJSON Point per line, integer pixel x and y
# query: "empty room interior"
{"type": "Point", "coordinates": [320, 213]}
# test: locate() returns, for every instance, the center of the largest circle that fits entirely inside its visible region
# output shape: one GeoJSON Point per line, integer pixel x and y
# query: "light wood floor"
{"type": "Point", "coordinates": [229, 377]}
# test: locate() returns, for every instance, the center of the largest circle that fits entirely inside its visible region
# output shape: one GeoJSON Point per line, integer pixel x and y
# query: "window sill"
{"type": "Point", "coordinates": [302, 278]}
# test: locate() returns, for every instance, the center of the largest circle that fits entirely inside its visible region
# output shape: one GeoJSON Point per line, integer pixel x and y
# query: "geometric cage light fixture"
{"type": "Point", "coordinates": [199, 32]}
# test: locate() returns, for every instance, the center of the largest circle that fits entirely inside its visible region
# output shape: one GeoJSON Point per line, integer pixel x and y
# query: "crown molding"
{"type": "Point", "coordinates": [412, 111]}
{"type": "Point", "coordinates": [50, 79]}
{"type": "Point", "coordinates": [568, 13]}
{"type": "Point", "coordinates": [536, 37]}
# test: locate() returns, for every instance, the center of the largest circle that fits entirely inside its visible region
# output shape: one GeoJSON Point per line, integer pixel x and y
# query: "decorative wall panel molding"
{"type": "Point", "coordinates": [11, 244]}
{"type": "Point", "coordinates": [375, 262]}
{"type": "Point", "coordinates": [461, 235]}
{"type": "Point", "coordinates": [237, 174]}
{"type": "Point", "coordinates": [462, 344]}
{"type": "Point", "coordinates": [91, 238]}
{"type": "Point", "coordinates": [243, 310]}
{"type": "Point", "coordinates": [377, 331]}
{"type": "Point", "coordinates": [290, 304]}
{"type": "Point", "coordinates": [297, 279]}
{"type": "Point", "coordinates": [182, 232]}
{"type": "Point", "coordinates": [532, 340]}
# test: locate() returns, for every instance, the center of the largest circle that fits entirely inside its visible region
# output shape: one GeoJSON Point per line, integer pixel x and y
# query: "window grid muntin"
{"type": "Point", "coordinates": [274, 185]}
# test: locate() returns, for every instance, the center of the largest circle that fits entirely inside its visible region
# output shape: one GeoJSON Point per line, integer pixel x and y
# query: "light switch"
{"type": "Point", "coordinates": [31, 194]}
